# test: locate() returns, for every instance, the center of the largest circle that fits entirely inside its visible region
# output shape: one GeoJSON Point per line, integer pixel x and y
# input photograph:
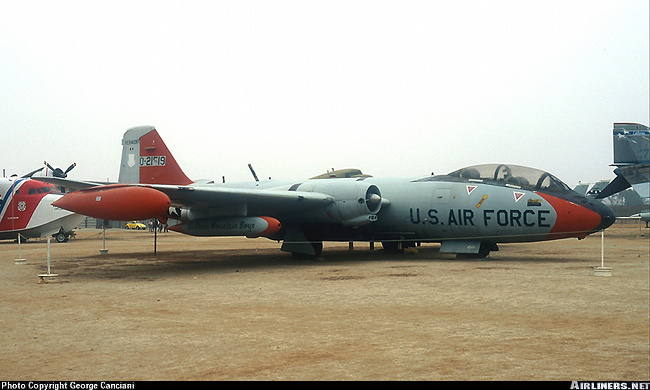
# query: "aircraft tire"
{"type": "Point", "coordinates": [390, 246]}
{"type": "Point", "coordinates": [397, 246]}
{"type": "Point", "coordinates": [318, 248]}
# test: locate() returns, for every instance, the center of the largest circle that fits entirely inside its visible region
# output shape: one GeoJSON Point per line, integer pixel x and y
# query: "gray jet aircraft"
{"type": "Point", "coordinates": [469, 211]}
{"type": "Point", "coordinates": [632, 159]}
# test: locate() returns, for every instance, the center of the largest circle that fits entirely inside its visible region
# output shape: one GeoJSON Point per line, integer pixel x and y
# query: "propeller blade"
{"type": "Point", "coordinates": [58, 172]}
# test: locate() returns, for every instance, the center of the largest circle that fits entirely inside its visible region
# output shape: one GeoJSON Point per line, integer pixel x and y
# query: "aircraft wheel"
{"type": "Point", "coordinates": [390, 246]}
{"type": "Point", "coordinates": [61, 237]}
{"type": "Point", "coordinates": [318, 248]}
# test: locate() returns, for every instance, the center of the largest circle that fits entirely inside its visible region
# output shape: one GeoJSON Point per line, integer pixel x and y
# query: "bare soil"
{"type": "Point", "coordinates": [240, 309]}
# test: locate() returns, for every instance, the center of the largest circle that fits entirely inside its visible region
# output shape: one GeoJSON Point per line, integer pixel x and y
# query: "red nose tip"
{"type": "Point", "coordinates": [273, 226]}
{"type": "Point", "coordinates": [572, 220]}
{"type": "Point", "coordinates": [116, 202]}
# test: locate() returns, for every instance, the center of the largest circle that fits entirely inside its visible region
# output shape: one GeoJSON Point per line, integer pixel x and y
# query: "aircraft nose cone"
{"type": "Point", "coordinates": [607, 216]}
{"type": "Point", "coordinates": [578, 216]}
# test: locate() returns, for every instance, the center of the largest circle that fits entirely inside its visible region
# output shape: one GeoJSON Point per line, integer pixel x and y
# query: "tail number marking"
{"type": "Point", "coordinates": [153, 161]}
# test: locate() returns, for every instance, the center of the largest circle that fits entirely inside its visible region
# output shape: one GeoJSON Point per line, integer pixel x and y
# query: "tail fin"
{"type": "Point", "coordinates": [632, 157]}
{"type": "Point", "coordinates": [146, 159]}
{"type": "Point", "coordinates": [631, 144]}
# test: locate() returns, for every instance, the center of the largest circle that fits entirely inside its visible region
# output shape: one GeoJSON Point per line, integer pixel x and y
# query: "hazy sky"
{"type": "Point", "coordinates": [394, 88]}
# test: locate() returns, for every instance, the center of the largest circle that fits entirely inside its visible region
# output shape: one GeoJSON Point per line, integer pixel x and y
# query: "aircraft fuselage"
{"type": "Point", "coordinates": [463, 213]}
{"type": "Point", "coordinates": [442, 210]}
{"type": "Point", "coordinates": [26, 209]}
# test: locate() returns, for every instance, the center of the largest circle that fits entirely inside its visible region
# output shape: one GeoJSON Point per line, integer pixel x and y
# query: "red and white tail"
{"type": "Point", "coordinates": [146, 159]}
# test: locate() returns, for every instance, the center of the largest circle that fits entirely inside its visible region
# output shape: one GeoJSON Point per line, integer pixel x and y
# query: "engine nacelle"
{"type": "Point", "coordinates": [192, 214]}
{"type": "Point", "coordinates": [356, 202]}
{"type": "Point", "coordinates": [179, 214]}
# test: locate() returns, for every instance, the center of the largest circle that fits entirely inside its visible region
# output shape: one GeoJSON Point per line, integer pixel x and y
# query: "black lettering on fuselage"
{"type": "Point", "coordinates": [468, 216]}
{"type": "Point", "coordinates": [487, 216]}
{"type": "Point", "coordinates": [452, 218]}
{"type": "Point", "coordinates": [541, 219]}
{"type": "Point", "coordinates": [433, 218]}
{"type": "Point", "coordinates": [504, 218]}
{"type": "Point", "coordinates": [516, 218]}
{"type": "Point", "coordinates": [526, 220]}
{"type": "Point", "coordinates": [462, 217]}
{"type": "Point", "coordinates": [417, 216]}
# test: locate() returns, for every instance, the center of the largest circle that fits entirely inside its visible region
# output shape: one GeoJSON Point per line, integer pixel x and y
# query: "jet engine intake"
{"type": "Point", "coordinates": [356, 202]}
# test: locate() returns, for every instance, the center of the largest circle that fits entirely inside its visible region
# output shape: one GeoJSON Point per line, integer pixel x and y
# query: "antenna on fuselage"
{"type": "Point", "coordinates": [253, 172]}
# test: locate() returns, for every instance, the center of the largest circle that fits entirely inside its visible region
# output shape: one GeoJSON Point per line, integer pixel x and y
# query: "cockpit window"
{"type": "Point", "coordinates": [43, 190]}
{"type": "Point", "coordinates": [551, 183]}
{"type": "Point", "coordinates": [51, 189]}
{"type": "Point", "coordinates": [510, 175]}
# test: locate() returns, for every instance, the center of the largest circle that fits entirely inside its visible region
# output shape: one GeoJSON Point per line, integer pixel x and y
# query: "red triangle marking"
{"type": "Point", "coordinates": [518, 195]}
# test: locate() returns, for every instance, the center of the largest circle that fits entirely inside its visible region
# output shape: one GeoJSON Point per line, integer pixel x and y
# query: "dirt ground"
{"type": "Point", "coordinates": [240, 309]}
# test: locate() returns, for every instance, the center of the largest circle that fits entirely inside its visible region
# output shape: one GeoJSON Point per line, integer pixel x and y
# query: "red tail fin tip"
{"type": "Point", "coordinates": [146, 159]}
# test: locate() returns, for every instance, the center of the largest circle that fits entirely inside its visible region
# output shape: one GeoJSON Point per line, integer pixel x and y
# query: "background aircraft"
{"type": "Point", "coordinates": [341, 173]}
{"type": "Point", "coordinates": [25, 209]}
{"type": "Point", "coordinates": [469, 211]}
{"type": "Point", "coordinates": [642, 216]}
{"type": "Point", "coordinates": [50, 171]}
{"type": "Point", "coordinates": [632, 159]}
{"type": "Point", "coordinates": [57, 172]}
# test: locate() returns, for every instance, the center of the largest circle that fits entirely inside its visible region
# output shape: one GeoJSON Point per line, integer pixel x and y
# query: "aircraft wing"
{"type": "Point", "coordinates": [70, 184]}
{"type": "Point", "coordinates": [257, 201]}
{"type": "Point", "coordinates": [267, 201]}
{"type": "Point", "coordinates": [121, 202]}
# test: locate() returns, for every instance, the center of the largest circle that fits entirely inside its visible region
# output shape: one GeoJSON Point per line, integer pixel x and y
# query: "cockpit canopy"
{"type": "Point", "coordinates": [512, 175]}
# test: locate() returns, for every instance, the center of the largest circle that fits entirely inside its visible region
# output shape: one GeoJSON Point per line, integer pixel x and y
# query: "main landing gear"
{"type": "Point", "coordinates": [62, 236]}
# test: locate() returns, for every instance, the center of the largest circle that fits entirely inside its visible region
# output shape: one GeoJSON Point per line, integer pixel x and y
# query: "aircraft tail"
{"type": "Point", "coordinates": [146, 159]}
{"type": "Point", "coordinates": [632, 157]}
{"type": "Point", "coordinates": [631, 144]}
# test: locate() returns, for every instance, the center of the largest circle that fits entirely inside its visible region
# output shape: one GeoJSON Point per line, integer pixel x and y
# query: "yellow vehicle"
{"type": "Point", "coordinates": [135, 225]}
